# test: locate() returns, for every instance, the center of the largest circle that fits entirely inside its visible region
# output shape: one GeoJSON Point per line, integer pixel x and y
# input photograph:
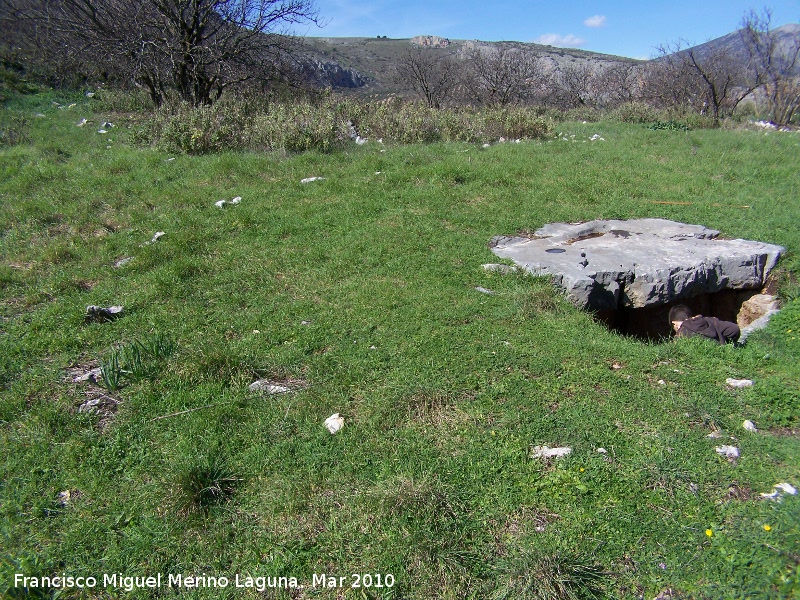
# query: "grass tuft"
{"type": "Point", "coordinates": [204, 483]}
{"type": "Point", "coordinates": [557, 576]}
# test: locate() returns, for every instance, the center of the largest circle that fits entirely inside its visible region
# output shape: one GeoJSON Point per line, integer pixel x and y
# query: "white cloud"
{"type": "Point", "coordinates": [555, 39]}
{"type": "Point", "coordinates": [595, 21]}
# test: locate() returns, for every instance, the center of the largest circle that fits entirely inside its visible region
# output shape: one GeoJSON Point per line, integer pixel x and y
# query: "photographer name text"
{"type": "Point", "coordinates": [119, 581]}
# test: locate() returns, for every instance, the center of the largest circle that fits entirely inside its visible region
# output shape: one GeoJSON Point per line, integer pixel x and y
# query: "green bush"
{"type": "Point", "coordinates": [327, 124]}
{"type": "Point", "coordinates": [14, 129]}
{"type": "Point", "coordinates": [668, 126]}
{"type": "Point", "coordinates": [634, 112]}
{"type": "Point", "coordinates": [121, 101]}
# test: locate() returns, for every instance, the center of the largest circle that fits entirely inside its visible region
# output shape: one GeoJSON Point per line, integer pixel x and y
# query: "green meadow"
{"type": "Point", "coordinates": [358, 292]}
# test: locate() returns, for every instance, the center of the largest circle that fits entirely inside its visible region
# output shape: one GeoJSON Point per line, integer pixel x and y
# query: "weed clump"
{"type": "Point", "coordinates": [203, 484]}
{"type": "Point", "coordinates": [134, 361]}
{"type": "Point", "coordinates": [557, 576]}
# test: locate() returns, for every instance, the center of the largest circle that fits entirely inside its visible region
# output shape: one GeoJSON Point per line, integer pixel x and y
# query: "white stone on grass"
{"type": "Point", "coordinates": [123, 261]}
{"type": "Point", "coordinates": [266, 386]}
{"type": "Point", "coordinates": [312, 179]}
{"type": "Point", "coordinates": [779, 490]}
{"type": "Point", "coordinates": [156, 236]}
{"type": "Point", "coordinates": [102, 314]}
{"type": "Point", "coordinates": [334, 423]}
{"type": "Point", "coordinates": [548, 452]}
{"type": "Point", "coordinates": [729, 452]}
{"type": "Point", "coordinates": [750, 426]}
{"type": "Point", "coordinates": [90, 375]}
{"type": "Point", "coordinates": [739, 383]}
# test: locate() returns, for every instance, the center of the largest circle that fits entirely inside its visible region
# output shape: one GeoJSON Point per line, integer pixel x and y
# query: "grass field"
{"type": "Point", "coordinates": [358, 291]}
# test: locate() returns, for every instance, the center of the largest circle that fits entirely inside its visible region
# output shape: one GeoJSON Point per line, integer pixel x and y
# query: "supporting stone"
{"type": "Point", "coordinates": [631, 272]}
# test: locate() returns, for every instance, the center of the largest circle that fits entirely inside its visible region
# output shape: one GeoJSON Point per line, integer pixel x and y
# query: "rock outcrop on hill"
{"type": "Point", "coordinates": [431, 41]}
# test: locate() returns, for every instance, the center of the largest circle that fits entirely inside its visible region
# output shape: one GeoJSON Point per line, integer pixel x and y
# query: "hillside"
{"type": "Point", "coordinates": [368, 64]}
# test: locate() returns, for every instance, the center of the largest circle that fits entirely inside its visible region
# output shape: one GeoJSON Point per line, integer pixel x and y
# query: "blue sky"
{"type": "Point", "coordinates": [621, 27]}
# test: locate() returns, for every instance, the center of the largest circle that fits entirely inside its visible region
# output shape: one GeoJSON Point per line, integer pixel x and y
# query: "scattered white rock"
{"type": "Point", "coordinates": [89, 94]}
{"type": "Point", "coordinates": [311, 179]}
{"type": "Point", "coordinates": [715, 434]}
{"type": "Point", "coordinates": [81, 123]}
{"type": "Point", "coordinates": [779, 490]}
{"type": "Point", "coordinates": [64, 497]}
{"type": "Point", "coordinates": [739, 383]}
{"type": "Point", "coordinates": [266, 386]}
{"type": "Point", "coordinates": [662, 382]}
{"type": "Point", "coordinates": [487, 145]}
{"type": "Point", "coordinates": [602, 451]}
{"type": "Point", "coordinates": [90, 405]}
{"type": "Point", "coordinates": [41, 115]}
{"type": "Point", "coordinates": [334, 423]}
{"type": "Point", "coordinates": [306, 323]}
{"type": "Point", "coordinates": [548, 452]}
{"type": "Point", "coordinates": [102, 314]}
{"type": "Point", "coordinates": [107, 125]}
{"type": "Point", "coordinates": [156, 236]}
{"type": "Point", "coordinates": [73, 105]}
{"type": "Point", "coordinates": [170, 159]}
{"type": "Point", "coordinates": [220, 203]}
{"type": "Point", "coordinates": [764, 124]}
{"type": "Point", "coordinates": [596, 138]}
{"type": "Point", "coordinates": [360, 141]}
{"type": "Point", "coordinates": [729, 452]}
{"type": "Point", "coordinates": [90, 375]}
{"type": "Point", "coordinates": [749, 426]}
{"type": "Point", "coordinates": [236, 200]}
{"type": "Point", "coordinates": [483, 290]}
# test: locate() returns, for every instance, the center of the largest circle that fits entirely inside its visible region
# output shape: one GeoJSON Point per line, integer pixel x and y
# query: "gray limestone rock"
{"type": "Point", "coordinates": [102, 314]}
{"type": "Point", "coordinates": [637, 263]}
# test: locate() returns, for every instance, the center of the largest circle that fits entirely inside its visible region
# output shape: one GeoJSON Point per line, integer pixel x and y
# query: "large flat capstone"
{"type": "Point", "coordinates": [613, 264]}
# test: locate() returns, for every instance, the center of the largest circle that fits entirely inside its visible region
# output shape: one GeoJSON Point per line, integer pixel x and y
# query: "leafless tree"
{"type": "Point", "coordinates": [502, 75]}
{"type": "Point", "coordinates": [200, 48]}
{"type": "Point", "coordinates": [430, 72]}
{"type": "Point", "coordinates": [618, 84]}
{"type": "Point", "coordinates": [708, 79]}
{"type": "Point", "coordinates": [775, 60]}
{"type": "Point", "coordinates": [573, 85]}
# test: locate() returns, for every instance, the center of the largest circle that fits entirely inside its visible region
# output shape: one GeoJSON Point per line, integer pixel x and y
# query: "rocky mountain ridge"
{"type": "Point", "coordinates": [367, 65]}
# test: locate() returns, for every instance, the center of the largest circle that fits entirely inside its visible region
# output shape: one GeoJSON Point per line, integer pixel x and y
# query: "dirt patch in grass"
{"type": "Point", "coordinates": [92, 398]}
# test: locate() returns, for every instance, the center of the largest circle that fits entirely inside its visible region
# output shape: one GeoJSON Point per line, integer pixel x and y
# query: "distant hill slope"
{"type": "Point", "coordinates": [733, 45]}
{"type": "Point", "coordinates": [367, 65]}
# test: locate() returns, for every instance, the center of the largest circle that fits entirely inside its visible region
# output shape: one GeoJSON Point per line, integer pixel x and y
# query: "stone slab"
{"type": "Point", "coordinates": [611, 264]}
